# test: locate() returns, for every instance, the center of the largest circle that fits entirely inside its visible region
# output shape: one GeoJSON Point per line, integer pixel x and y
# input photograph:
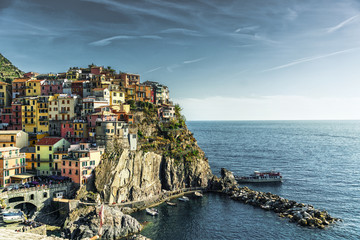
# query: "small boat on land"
{"type": "Point", "coordinates": [198, 194]}
{"type": "Point", "coordinates": [261, 177]}
{"type": "Point", "coordinates": [171, 203]}
{"type": "Point", "coordinates": [152, 211]}
{"type": "Point", "coordinates": [184, 199]}
{"type": "Point", "coordinates": [12, 217]}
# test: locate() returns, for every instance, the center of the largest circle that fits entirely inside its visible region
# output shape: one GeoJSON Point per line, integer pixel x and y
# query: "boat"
{"type": "Point", "coordinates": [261, 177]}
{"type": "Point", "coordinates": [184, 199]}
{"type": "Point", "coordinates": [198, 194]}
{"type": "Point", "coordinates": [171, 203]}
{"type": "Point", "coordinates": [152, 211]}
{"type": "Point", "coordinates": [12, 217]}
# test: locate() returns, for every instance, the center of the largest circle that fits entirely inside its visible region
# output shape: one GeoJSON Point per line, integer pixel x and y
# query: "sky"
{"type": "Point", "coordinates": [222, 60]}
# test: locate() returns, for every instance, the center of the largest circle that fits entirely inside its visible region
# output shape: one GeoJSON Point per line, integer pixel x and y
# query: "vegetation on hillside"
{"type": "Point", "coordinates": [8, 71]}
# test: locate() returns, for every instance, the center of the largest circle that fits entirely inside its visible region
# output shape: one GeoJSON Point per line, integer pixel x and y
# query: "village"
{"type": "Point", "coordinates": [57, 126]}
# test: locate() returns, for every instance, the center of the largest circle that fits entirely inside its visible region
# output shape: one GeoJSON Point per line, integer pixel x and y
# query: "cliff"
{"type": "Point", "coordinates": [8, 71]}
{"type": "Point", "coordinates": [167, 158]}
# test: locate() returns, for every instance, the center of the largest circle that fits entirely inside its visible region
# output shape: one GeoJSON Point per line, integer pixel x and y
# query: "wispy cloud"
{"type": "Point", "coordinates": [309, 59]}
{"type": "Point", "coordinates": [183, 31]}
{"type": "Point", "coordinates": [342, 24]}
{"type": "Point", "coordinates": [172, 67]}
{"type": "Point", "coordinates": [246, 29]}
{"type": "Point", "coordinates": [194, 60]}
{"type": "Point", "coordinates": [154, 69]}
{"type": "Point", "coordinates": [107, 41]}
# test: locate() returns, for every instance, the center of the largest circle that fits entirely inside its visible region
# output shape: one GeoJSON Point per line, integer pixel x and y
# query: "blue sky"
{"type": "Point", "coordinates": [223, 60]}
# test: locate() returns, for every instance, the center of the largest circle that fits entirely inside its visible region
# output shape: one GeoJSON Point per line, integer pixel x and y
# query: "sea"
{"type": "Point", "coordinates": [320, 164]}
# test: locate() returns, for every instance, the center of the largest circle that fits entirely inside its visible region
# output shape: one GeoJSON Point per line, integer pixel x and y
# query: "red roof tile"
{"type": "Point", "coordinates": [48, 140]}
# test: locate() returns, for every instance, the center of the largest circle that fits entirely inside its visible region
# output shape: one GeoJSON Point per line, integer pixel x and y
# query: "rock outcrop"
{"type": "Point", "coordinates": [303, 214]}
{"type": "Point", "coordinates": [168, 158]}
{"type": "Point", "coordinates": [85, 223]}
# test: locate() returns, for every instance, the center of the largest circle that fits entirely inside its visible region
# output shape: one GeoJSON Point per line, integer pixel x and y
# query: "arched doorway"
{"type": "Point", "coordinates": [28, 208]}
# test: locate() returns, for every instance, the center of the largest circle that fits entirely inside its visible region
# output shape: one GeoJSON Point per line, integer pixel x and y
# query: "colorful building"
{"type": "Point", "coordinates": [80, 162]}
{"type": "Point", "coordinates": [19, 87]}
{"type": "Point", "coordinates": [117, 97]}
{"type": "Point", "coordinates": [49, 153]}
{"type": "Point", "coordinates": [62, 107]}
{"type": "Point", "coordinates": [51, 87]}
{"type": "Point", "coordinates": [35, 116]}
{"type": "Point", "coordinates": [5, 94]}
{"type": "Point", "coordinates": [12, 163]}
{"type": "Point", "coordinates": [14, 138]}
{"type": "Point", "coordinates": [33, 88]}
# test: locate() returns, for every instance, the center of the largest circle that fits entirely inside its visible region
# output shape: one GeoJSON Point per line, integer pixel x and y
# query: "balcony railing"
{"type": "Point", "coordinates": [20, 155]}
{"type": "Point", "coordinates": [63, 111]}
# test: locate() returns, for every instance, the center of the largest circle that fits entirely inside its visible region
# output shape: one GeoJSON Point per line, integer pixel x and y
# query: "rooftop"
{"type": "Point", "coordinates": [48, 140]}
{"type": "Point", "coordinates": [5, 149]}
{"type": "Point", "coordinates": [10, 132]}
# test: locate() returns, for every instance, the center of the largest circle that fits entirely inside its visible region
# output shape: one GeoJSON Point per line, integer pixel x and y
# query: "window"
{"type": "Point", "coordinates": [38, 164]}
{"type": "Point", "coordinates": [69, 171]}
{"type": "Point", "coordinates": [38, 148]}
{"type": "Point", "coordinates": [69, 163]}
{"type": "Point", "coordinates": [76, 164]}
{"type": "Point", "coordinates": [84, 172]}
{"type": "Point", "coordinates": [63, 171]}
{"type": "Point", "coordinates": [76, 172]}
{"type": "Point", "coordinates": [50, 165]}
{"type": "Point", "coordinates": [50, 156]}
{"type": "Point", "coordinates": [63, 163]}
{"type": "Point", "coordinates": [45, 195]}
{"type": "Point", "coordinates": [50, 148]}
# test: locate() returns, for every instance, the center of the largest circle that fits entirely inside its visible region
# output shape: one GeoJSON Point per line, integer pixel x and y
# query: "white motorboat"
{"type": "Point", "coordinates": [260, 177]}
{"type": "Point", "coordinates": [12, 217]}
{"type": "Point", "coordinates": [198, 194]}
{"type": "Point", "coordinates": [152, 211]}
{"type": "Point", "coordinates": [184, 199]}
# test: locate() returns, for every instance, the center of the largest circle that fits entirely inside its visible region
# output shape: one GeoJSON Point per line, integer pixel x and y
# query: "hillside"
{"type": "Point", "coordinates": [8, 71]}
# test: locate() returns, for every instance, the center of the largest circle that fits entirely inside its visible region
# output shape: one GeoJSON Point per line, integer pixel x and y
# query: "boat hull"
{"type": "Point", "coordinates": [259, 180]}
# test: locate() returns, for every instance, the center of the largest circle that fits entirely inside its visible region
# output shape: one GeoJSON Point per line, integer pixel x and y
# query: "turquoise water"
{"type": "Point", "coordinates": [319, 161]}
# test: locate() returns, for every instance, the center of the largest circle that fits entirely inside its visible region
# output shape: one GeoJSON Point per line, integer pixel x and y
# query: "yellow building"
{"type": "Point", "coordinates": [117, 97]}
{"type": "Point", "coordinates": [33, 88]}
{"type": "Point", "coordinates": [12, 163]}
{"type": "Point", "coordinates": [130, 93]}
{"type": "Point", "coordinates": [49, 153]}
{"type": "Point", "coordinates": [35, 119]}
{"type": "Point", "coordinates": [73, 74]}
{"type": "Point", "coordinates": [5, 95]}
{"type": "Point", "coordinates": [14, 138]}
{"type": "Point", "coordinates": [30, 155]}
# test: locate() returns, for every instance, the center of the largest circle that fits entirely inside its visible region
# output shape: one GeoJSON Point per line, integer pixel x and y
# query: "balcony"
{"type": "Point", "coordinates": [20, 155]}
{"type": "Point", "coordinates": [62, 111]}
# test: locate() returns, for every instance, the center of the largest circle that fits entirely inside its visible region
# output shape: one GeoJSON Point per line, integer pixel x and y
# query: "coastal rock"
{"type": "Point", "coordinates": [85, 223]}
{"type": "Point", "coordinates": [303, 214]}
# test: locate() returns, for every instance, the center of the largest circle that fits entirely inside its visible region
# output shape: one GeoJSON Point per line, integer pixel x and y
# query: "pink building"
{"type": "Point", "coordinates": [81, 160]}
{"type": "Point", "coordinates": [67, 130]}
{"type": "Point", "coordinates": [51, 87]}
{"type": "Point", "coordinates": [11, 116]}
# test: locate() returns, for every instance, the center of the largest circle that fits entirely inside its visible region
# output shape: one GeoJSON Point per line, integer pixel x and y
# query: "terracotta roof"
{"type": "Point", "coordinates": [48, 140]}
{"type": "Point", "coordinates": [20, 80]}
{"type": "Point", "coordinates": [3, 83]}
{"type": "Point", "coordinates": [98, 89]}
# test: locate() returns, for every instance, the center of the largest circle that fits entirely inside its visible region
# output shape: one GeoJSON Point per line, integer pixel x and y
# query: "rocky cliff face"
{"type": "Point", "coordinates": [168, 158]}
{"type": "Point", "coordinates": [84, 223]}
